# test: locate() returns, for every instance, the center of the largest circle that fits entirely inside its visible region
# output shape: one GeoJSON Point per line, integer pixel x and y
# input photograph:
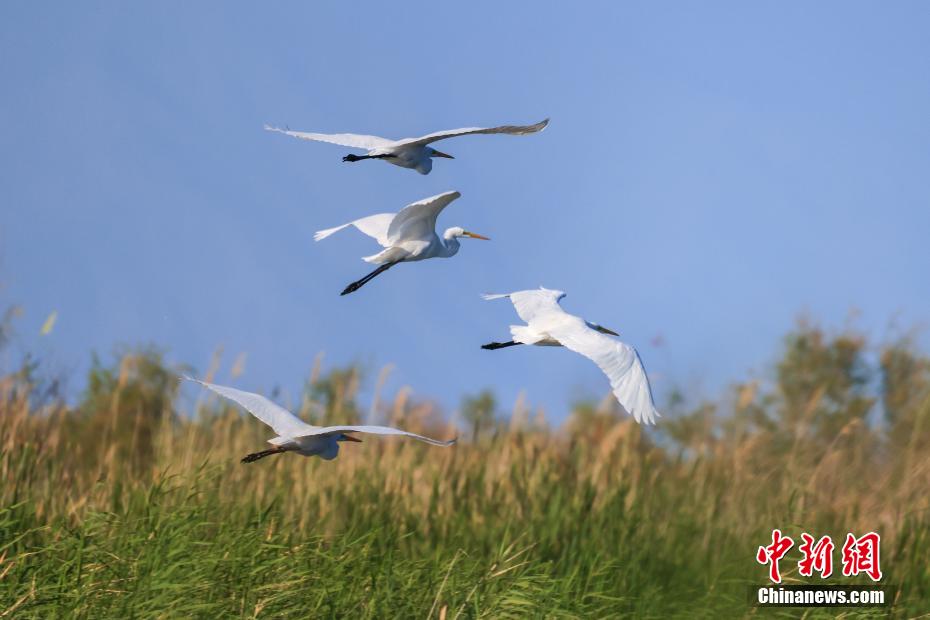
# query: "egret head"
{"type": "Point", "coordinates": [434, 153]}
{"type": "Point", "coordinates": [457, 231]}
{"type": "Point", "coordinates": [344, 437]}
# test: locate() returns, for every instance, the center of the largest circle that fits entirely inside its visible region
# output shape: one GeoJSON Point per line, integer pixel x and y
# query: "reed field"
{"type": "Point", "coordinates": [131, 502]}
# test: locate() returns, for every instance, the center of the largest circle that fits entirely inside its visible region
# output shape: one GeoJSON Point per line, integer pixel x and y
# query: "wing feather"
{"type": "Point", "coordinates": [284, 423]}
{"type": "Point", "coordinates": [354, 140]}
{"type": "Point", "coordinates": [418, 220]}
{"type": "Point", "coordinates": [619, 361]}
{"type": "Point", "coordinates": [375, 430]}
{"type": "Point", "coordinates": [514, 130]}
{"type": "Point", "coordinates": [375, 226]}
{"type": "Point", "coordinates": [531, 305]}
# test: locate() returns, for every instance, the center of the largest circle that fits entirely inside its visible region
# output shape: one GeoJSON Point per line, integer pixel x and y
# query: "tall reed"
{"type": "Point", "coordinates": [125, 504]}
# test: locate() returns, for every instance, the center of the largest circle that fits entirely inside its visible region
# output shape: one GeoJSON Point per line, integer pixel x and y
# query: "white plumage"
{"type": "Point", "coordinates": [295, 435]}
{"type": "Point", "coordinates": [407, 236]}
{"type": "Point", "coordinates": [414, 153]}
{"type": "Point", "coordinates": [549, 325]}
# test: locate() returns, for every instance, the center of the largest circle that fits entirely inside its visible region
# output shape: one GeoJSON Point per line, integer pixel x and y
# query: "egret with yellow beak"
{"type": "Point", "coordinates": [414, 153]}
{"type": "Point", "coordinates": [548, 325]}
{"type": "Point", "coordinates": [407, 236]}
{"type": "Point", "coordinates": [295, 435]}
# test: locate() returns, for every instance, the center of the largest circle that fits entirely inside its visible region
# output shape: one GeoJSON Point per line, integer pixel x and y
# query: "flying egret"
{"type": "Point", "coordinates": [295, 435]}
{"type": "Point", "coordinates": [410, 152]}
{"type": "Point", "coordinates": [406, 236]}
{"type": "Point", "coordinates": [549, 325]}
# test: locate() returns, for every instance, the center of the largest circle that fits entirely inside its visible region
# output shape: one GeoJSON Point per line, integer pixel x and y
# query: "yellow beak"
{"type": "Point", "coordinates": [475, 235]}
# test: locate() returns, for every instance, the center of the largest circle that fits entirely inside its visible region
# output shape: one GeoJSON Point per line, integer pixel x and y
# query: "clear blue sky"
{"type": "Point", "coordinates": [711, 171]}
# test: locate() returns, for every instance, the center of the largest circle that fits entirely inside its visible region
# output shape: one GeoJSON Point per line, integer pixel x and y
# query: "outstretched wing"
{"type": "Point", "coordinates": [619, 361]}
{"type": "Point", "coordinates": [513, 130]}
{"type": "Point", "coordinates": [418, 220]}
{"type": "Point", "coordinates": [531, 305]}
{"type": "Point", "coordinates": [284, 423]}
{"type": "Point", "coordinates": [354, 140]}
{"type": "Point", "coordinates": [375, 430]}
{"type": "Point", "coordinates": [375, 226]}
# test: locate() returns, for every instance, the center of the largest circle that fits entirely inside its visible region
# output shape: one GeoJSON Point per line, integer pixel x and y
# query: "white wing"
{"type": "Point", "coordinates": [618, 360]}
{"type": "Point", "coordinates": [375, 226]}
{"type": "Point", "coordinates": [375, 430]}
{"type": "Point", "coordinates": [530, 305]}
{"type": "Point", "coordinates": [418, 220]}
{"type": "Point", "coordinates": [284, 423]}
{"type": "Point", "coordinates": [354, 140]}
{"type": "Point", "coordinates": [514, 130]}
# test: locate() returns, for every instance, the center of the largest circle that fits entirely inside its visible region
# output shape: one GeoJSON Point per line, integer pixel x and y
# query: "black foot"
{"type": "Point", "coordinates": [351, 157]}
{"type": "Point", "coordinates": [251, 458]}
{"type": "Point", "coordinates": [498, 345]}
{"type": "Point", "coordinates": [360, 283]}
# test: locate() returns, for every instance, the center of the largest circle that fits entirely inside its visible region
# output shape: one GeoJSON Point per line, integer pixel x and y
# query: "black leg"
{"type": "Point", "coordinates": [351, 157]}
{"type": "Point", "coordinates": [251, 458]}
{"type": "Point", "coordinates": [499, 345]}
{"type": "Point", "coordinates": [360, 283]}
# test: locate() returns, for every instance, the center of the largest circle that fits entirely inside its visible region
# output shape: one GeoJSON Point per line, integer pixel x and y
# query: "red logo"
{"type": "Point", "coordinates": [860, 555]}
{"type": "Point", "coordinates": [817, 557]}
{"type": "Point", "coordinates": [773, 553]}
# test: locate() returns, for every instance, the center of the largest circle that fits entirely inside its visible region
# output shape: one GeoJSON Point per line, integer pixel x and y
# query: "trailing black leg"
{"type": "Point", "coordinates": [352, 157]}
{"type": "Point", "coordinates": [251, 458]}
{"type": "Point", "coordinates": [360, 283]}
{"type": "Point", "coordinates": [491, 346]}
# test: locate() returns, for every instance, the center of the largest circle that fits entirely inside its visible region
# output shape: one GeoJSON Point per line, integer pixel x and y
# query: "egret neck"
{"type": "Point", "coordinates": [450, 242]}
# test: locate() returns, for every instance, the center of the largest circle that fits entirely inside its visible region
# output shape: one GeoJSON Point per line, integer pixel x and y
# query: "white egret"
{"type": "Point", "coordinates": [406, 236]}
{"type": "Point", "coordinates": [549, 325]}
{"type": "Point", "coordinates": [410, 152]}
{"type": "Point", "coordinates": [295, 435]}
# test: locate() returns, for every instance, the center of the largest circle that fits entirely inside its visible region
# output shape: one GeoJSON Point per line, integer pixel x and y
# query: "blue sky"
{"type": "Point", "coordinates": [711, 171]}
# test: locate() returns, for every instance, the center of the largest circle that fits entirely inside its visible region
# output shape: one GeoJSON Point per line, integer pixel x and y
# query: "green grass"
{"type": "Point", "coordinates": [111, 510]}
